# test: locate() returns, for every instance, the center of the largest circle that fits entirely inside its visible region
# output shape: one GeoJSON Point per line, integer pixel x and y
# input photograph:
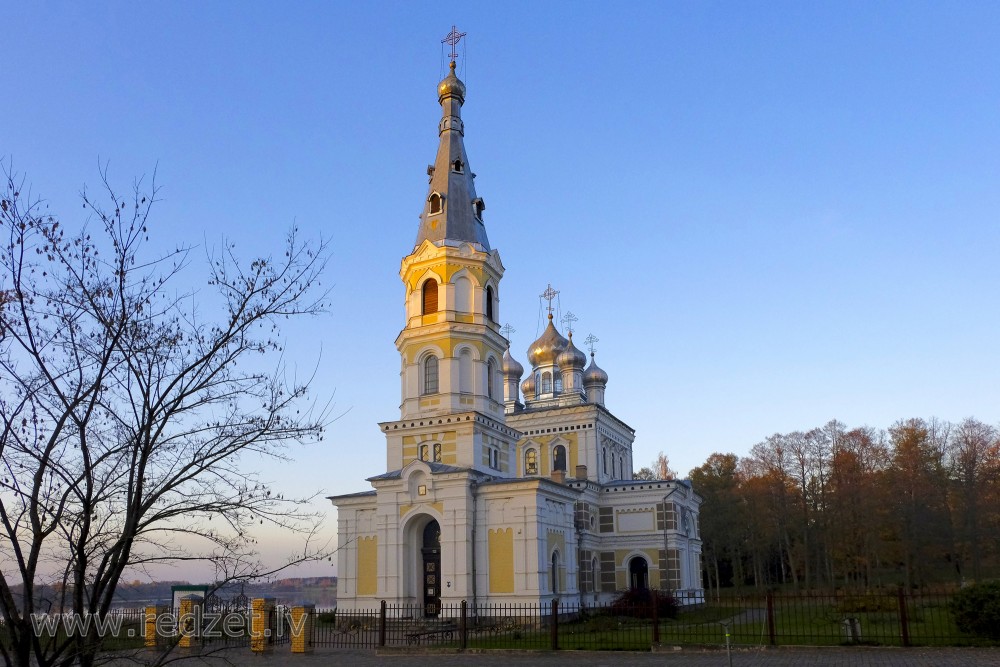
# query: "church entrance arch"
{"type": "Point", "coordinates": [430, 558]}
{"type": "Point", "coordinates": [638, 573]}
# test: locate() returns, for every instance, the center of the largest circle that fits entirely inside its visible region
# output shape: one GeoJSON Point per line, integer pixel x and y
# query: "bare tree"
{"type": "Point", "coordinates": [127, 414]}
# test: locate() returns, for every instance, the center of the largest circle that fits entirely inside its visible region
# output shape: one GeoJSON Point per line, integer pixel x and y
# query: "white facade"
{"type": "Point", "coordinates": [494, 495]}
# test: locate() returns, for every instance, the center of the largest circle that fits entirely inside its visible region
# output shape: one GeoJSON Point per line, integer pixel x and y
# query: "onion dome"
{"type": "Point", "coordinates": [545, 350]}
{"type": "Point", "coordinates": [528, 386]}
{"type": "Point", "coordinates": [451, 86]}
{"type": "Point", "coordinates": [594, 373]}
{"type": "Point", "coordinates": [511, 367]}
{"type": "Point", "coordinates": [571, 357]}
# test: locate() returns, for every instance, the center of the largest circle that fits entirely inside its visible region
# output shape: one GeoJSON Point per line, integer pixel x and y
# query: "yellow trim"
{"type": "Point", "coordinates": [439, 506]}
{"type": "Point", "coordinates": [501, 560]}
{"type": "Point", "coordinates": [368, 565]}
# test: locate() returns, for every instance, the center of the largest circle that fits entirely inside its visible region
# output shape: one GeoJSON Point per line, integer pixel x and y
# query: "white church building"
{"type": "Point", "coordinates": [498, 490]}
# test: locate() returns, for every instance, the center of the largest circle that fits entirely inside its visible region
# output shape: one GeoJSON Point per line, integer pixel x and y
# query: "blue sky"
{"type": "Point", "coordinates": [772, 214]}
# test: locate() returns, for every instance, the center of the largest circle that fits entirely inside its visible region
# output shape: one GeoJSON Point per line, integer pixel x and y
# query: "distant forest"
{"type": "Point", "coordinates": [914, 505]}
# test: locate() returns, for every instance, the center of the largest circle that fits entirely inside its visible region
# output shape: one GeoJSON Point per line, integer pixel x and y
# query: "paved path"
{"type": "Point", "coordinates": [779, 657]}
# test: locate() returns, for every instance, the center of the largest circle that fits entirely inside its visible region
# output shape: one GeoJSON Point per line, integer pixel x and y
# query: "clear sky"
{"type": "Point", "coordinates": [772, 214]}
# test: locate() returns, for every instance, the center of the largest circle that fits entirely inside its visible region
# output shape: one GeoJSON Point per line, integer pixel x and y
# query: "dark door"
{"type": "Point", "coordinates": [431, 552]}
{"type": "Point", "coordinates": [638, 571]}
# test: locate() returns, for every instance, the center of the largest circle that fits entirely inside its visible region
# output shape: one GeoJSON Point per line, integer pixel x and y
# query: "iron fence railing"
{"type": "Point", "coordinates": [883, 618]}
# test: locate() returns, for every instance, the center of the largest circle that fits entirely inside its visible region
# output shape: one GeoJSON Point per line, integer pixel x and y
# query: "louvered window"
{"type": "Point", "coordinates": [430, 297]}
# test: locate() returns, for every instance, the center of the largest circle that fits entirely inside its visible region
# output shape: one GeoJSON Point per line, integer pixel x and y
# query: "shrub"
{"type": "Point", "coordinates": [638, 603]}
{"type": "Point", "coordinates": [977, 609]}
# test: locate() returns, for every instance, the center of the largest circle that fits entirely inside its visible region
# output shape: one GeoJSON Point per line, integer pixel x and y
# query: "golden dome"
{"type": "Point", "coordinates": [571, 357]}
{"type": "Point", "coordinates": [451, 86]}
{"type": "Point", "coordinates": [547, 347]}
{"type": "Point", "coordinates": [594, 374]}
{"type": "Point", "coordinates": [511, 367]}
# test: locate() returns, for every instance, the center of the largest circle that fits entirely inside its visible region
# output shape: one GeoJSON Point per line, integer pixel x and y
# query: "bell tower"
{"type": "Point", "coordinates": [451, 346]}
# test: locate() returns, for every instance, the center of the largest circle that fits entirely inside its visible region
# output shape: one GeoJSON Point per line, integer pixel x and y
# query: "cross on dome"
{"type": "Point", "coordinates": [452, 39]}
{"type": "Point", "coordinates": [548, 295]}
{"type": "Point", "coordinates": [590, 341]}
{"type": "Point", "coordinates": [567, 320]}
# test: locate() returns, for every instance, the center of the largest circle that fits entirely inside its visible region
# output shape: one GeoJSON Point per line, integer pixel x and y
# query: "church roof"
{"type": "Point", "coordinates": [452, 211]}
{"type": "Point", "coordinates": [435, 468]}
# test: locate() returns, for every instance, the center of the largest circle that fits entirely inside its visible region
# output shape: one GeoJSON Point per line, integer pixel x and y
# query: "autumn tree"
{"type": "Point", "coordinates": [974, 463]}
{"type": "Point", "coordinates": [659, 469]}
{"type": "Point", "coordinates": [917, 486]}
{"type": "Point", "coordinates": [130, 402]}
{"type": "Point", "coordinates": [722, 519]}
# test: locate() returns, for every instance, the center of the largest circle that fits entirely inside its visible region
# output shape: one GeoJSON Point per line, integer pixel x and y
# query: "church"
{"type": "Point", "coordinates": [499, 490]}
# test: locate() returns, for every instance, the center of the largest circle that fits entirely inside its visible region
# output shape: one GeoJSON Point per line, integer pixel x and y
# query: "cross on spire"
{"type": "Point", "coordinates": [548, 295]}
{"type": "Point", "coordinates": [590, 342]}
{"type": "Point", "coordinates": [507, 330]}
{"type": "Point", "coordinates": [568, 319]}
{"type": "Point", "coordinates": [452, 39]}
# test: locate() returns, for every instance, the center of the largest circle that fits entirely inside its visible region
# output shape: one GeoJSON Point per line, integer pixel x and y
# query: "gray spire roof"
{"type": "Point", "coordinates": [457, 215]}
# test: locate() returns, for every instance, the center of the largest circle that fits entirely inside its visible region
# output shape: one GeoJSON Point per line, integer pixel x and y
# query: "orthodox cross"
{"type": "Point", "coordinates": [568, 319]}
{"type": "Point", "coordinates": [452, 39]}
{"type": "Point", "coordinates": [548, 295]}
{"type": "Point", "coordinates": [590, 341]}
{"type": "Point", "coordinates": [507, 330]}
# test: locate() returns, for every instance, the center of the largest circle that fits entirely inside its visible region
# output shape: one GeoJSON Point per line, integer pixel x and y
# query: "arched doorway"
{"type": "Point", "coordinates": [638, 573]}
{"type": "Point", "coordinates": [430, 551]}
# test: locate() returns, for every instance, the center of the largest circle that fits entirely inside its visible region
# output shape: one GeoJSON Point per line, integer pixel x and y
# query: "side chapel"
{"type": "Point", "coordinates": [498, 490]}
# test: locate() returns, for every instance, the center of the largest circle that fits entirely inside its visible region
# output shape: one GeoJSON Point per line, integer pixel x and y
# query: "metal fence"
{"type": "Point", "coordinates": [885, 618]}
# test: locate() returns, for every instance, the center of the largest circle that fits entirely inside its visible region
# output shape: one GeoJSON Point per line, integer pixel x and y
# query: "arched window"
{"type": "Point", "coordinates": [559, 458]}
{"type": "Point", "coordinates": [605, 460]}
{"type": "Point", "coordinates": [437, 452]}
{"type": "Point", "coordinates": [430, 375]}
{"type": "Point", "coordinates": [489, 303]}
{"type": "Point", "coordinates": [531, 462]}
{"type": "Point", "coordinates": [457, 166]}
{"type": "Point", "coordinates": [465, 371]}
{"type": "Point", "coordinates": [546, 382]}
{"type": "Point", "coordinates": [595, 573]}
{"type": "Point", "coordinates": [478, 206]}
{"type": "Point", "coordinates": [429, 297]}
{"type": "Point", "coordinates": [435, 202]}
{"type": "Point", "coordinates": [555, 571]}
{"type": "Point", "coordinates": [638, 574]}
{"type": "Point", "coordinates": [423, 452]}
{"type": "Point", "coordinates": [491, 371]}
{"type": "Point", "coordinates": [621, 468]}
{"type": "Point", "coordinates": [559, 384]}
{"type": "Point", "coordinates": [538, 384]}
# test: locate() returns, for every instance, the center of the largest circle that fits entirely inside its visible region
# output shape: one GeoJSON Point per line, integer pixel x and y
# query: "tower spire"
{"type": "Point", "coordinates": [452, 213]}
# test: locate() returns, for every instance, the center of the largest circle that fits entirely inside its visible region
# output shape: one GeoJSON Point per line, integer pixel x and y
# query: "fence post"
{"type": "Point", "coordinates": [261, 613]}
{"type": "Point", "coordinates": [463, 633]}
{"type": "Point", "coordinates": [381, 624]}
{"type": "Point", "coordinates": [770, 618]}
{"type": "Point", "coordinates": [904, 621]}
{"type": "Point", "coordinates": [554, 626]}
{"type": "Point", "coordinates": [301, 624]}
{"type": "Point", "coordinates": [189, 620]}
{"type": "Point", "coordinates": [656, 616]}
{"type": "Point", "coordinates": [154, 628]}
